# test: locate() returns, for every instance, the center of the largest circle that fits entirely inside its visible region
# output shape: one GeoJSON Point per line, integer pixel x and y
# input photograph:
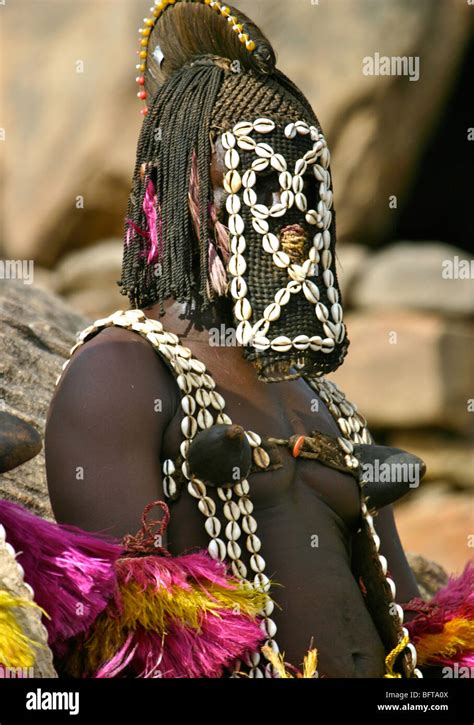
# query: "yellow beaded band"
{"type": "Point", "coordinates": [149, 23]}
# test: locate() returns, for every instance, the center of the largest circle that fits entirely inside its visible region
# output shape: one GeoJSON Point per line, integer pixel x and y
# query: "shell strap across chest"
{"type": "Point", "coordinates": [203, 407]}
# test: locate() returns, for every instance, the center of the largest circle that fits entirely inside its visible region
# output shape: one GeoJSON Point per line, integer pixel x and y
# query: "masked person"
{"type": "Point", "coordinates": [230, 268]}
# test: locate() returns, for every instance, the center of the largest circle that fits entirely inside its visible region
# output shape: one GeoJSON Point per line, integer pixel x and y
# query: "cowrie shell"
{"type": "Point", "coordinates": [231, 159]}
{"type": "Point", "coordinates": [271, 243]}
{"type": "Point", "coordinates": [311, 291]}
{"type": "Point", "coordinates": [328, 344]}
{"type": "Point", "coordinates": [233, 204]}
{"type": "Point", "coordinates": [336, 312]}
{"type": "Point", "coordinates": [228, 140]}
{"type": "Point", "coordinates": [302, 128]}
{"type": "Point", "coordinates": [246, 143]}
{"type": "Point", "coordinates": [237, 265]}
{"type": "Point", "coordinates": [281, 344]}
{"type": "Point", "coordinates": [272, 312]}
{"type": "Point", "coordinates": [261, 343]}
{"type": "Point", "coordinates": [261, 226]}
{"type": "Point", "coordinates": [333, 295]}
{"type": "Point", "coordinates": [301, 202]}
{"type": "Point", "coordinates": [243, 332]}
{"type": "Point", "coordinates": [296, 272]}
{"type": "Point", "coordinates": [236, 224]}
{"type": "Point", "coordinates": [249, 178]}
{"type": "Point", "coordinates": [322, 312]}
{"type": "Point", "coordinates": [281, 259]}
{"type": "Point", "coordinates": [260, 164]}
{"type": "Point", "coordinates": [232, 182]}
{"type": "Point", "coordinates": [260, 211]}
{"type": "Point", "coordinates": [205, 419]}
{"type": "Point", "coordinates": [278, 162]}
{"type": "Point", "coordinates": [315, 343]}
{"type": "Point", "coordinates": [264, 125]}
{"type": "Point", "coordinates": [301, 342]}
{"type": "Point", "coordinates": [290, 130]}
{"type": "Point", "coordinates": [301, 167]}
{"type": "Point", "coordinates": [298, 184]}
{"type": "Point", "coordinates": [250, 197]}
{"type": "Point", "coordinates": [287, 198]}
{"type": "Point", "coordinates": [237, 245]}
{"type": "Point", "coordinates": [278, 210]}
{"type": "Point", "coordinates": [282, 297]}
{"type": "Point", "coordinates": [326, 258]}
{"type": "Point", "coordinates": [238, 287]}
{"type": "Point", "coordinates": [312, 217]}
{"type": "Point", "coordinates": [264, 150]}
{"type": "Point", "coordinates": [328, 278]}
{"type": "Point", "coordinates": [243, 128]}
{"type": "Point", "coordinates": [243, 309]}
{"type": "Point", "coordinates": [285, 180]}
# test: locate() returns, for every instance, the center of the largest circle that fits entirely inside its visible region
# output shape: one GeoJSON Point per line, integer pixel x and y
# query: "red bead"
{"type": "Point", "coordinates": [141, 80]}
{"type": "Point", "coordinates": [144, 111]}
{"type": "Point", "coordinates": [142, 95]}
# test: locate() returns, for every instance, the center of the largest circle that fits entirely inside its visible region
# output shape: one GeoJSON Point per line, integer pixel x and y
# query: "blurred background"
{"type": "Point", "coordinates": [402, 163]}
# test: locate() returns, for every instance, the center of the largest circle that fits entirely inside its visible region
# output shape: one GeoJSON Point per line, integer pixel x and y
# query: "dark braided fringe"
{"type": "Point", "coordinates": [181, 112]}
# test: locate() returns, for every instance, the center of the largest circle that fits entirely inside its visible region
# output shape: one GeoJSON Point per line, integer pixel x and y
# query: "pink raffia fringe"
{"type": "Point", "coordinates": [71, 571]}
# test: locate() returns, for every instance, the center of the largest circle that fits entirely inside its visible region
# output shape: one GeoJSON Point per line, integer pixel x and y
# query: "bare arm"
{"type": "Point", "coordinates": [104, 433]}
{"type": "Point", "coordinates": [391, 548]}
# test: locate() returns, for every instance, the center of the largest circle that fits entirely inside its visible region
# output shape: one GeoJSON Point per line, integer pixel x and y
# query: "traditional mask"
{"type": "Point", "coordinates": [282, 275]}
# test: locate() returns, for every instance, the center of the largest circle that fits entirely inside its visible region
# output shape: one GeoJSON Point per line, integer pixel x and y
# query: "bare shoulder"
{"type": "Point", "coordinates": [121, 368]}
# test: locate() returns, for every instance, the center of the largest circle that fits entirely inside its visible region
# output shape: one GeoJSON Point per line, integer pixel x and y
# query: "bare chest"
{"type": "Point", "coordinates": [297, 492]}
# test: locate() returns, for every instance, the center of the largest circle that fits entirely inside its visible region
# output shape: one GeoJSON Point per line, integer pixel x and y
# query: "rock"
{"type": "Point", "coordinates": [429, 575]}
{"type": "Point", "coordinates": [439, 525]}
{"type": "Point", "coordinates": [447, 458]}
{"type": "Point", "coordinates": [407, 370]}
{"type": "Point", "coordinates": [37, 331]}
{"type": "Point", "coordinates": [377, 126]}
{"type": "Point", "coordinates": [417, 276]}
{"type": "Point", "coordinates": [88, 279]}
{"type": "Point", "coordinates": [44, 278]}
{"type": "Point", "coordinates": [351, 265]}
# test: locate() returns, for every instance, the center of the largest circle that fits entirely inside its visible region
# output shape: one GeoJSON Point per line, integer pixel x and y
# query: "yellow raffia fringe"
{"type": "Point", "coordinates": [154, 609]}
{"type": "Point", "coordinates": [392, 656]}
{"type": "Point", "coordinates": [16, 648]}
{"type": "Point", "coordinates": [457, 636]}
{"type": "Point", "coordinates": [310, 663]}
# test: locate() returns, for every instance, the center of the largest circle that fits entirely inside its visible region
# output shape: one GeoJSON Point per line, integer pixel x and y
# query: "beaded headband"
{"type": "Point", "coordinates": [150, 22]}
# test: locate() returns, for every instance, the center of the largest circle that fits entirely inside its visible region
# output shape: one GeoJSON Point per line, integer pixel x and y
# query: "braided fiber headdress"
{"type": "Point", "coordinates": [199, 78]}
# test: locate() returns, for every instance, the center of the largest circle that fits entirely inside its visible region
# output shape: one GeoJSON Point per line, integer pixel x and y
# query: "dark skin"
{"type": "Point", "coordinates": [103, 418]}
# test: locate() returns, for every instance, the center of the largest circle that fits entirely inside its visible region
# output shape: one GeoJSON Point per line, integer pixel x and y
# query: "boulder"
{"type": "Point", "coordinates": [37, 331]}
{"type": "Point", "coordinates": [408, 369]}
{"type": "Point", "coordinates": [447, 458]}
{"type": "Point", "coordinates": [427, 276]}
{"type": "Point", "coordinates": [438, 524]}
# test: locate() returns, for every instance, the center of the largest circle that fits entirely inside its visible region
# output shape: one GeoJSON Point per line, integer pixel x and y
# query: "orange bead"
{"type": "Point", "coordinates": [298, 446]}
{"type": "Point", "coordinates": [142, 54]}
